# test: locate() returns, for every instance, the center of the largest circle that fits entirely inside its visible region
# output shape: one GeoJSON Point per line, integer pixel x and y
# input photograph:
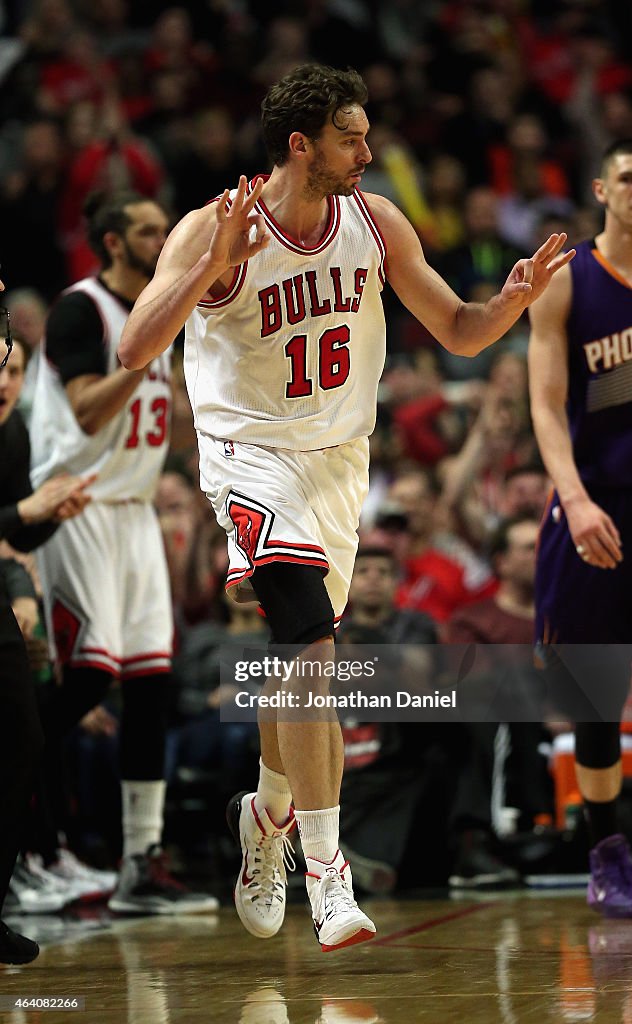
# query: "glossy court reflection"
{"type": "Point", "coordinates": [524, 957]}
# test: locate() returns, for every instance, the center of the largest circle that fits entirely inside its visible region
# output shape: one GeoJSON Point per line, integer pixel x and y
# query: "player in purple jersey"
{"type": "Point", "coordinates": [580, 363]}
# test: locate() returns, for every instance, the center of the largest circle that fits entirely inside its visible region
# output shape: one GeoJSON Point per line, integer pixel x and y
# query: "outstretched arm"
{"type": "Point", "coordinates": [464, 328]}
{"type": "Point", "coordinates": [200, 250]}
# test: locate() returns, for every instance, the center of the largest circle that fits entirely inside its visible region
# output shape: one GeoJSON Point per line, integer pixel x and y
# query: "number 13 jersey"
{"type": "Point", "coordinates": [290, 356]}
{"type": "Point", "coordinates": [128, 452]}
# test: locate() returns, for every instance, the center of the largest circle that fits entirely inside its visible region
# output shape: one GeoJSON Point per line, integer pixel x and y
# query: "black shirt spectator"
{"type": "Point", "coordinates": [15, 485]}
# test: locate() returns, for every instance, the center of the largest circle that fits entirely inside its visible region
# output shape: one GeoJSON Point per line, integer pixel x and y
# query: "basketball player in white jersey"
{"type": "Point", "coordinates": [106, 585]}
{"type": "Point", "coordinates": [279, 283]}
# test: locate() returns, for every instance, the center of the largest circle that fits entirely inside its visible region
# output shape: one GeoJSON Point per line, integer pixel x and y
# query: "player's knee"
{"type": "Point", "coordinates": [309, 634]}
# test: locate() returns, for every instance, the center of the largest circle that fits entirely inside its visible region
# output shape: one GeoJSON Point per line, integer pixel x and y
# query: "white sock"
{"type": "Point", "coordinates": [273, 795]}
{"type": "Point", "coordinates": [319, 832]}
{"type": "Point", "coordinates": [143, 805]}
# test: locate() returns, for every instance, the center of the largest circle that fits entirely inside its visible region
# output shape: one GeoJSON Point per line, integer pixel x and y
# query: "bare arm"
{"type": "Point", "coordinates": [464, 467]}
{"type": "Point", "coordinates": [95, 399]}
{"type": "Point", "coordinates": [592, 530]}
{"type": "Point", "coordinates": [464, 328]}
{"type": "Point", "coordinates": [61, 497]}
{"type": "Point", "coordinates": [200, 250]}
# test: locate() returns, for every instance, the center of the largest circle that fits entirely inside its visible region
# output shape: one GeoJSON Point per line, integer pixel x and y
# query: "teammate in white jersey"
{"type": "Point", "coordinates": [105, 582]}
{"type": "Point", "coordinates": [279, 284]}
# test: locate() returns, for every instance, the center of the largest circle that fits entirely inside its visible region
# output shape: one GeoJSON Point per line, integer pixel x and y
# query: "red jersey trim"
{"type": "Point", "coordinates": [237, 575]}
{"type": "Point", "coordinates": [375, 231]}
{"type": "Point", "coordinates": [124, 661]}
{"type": "Point", "coordinates": [231, 293]}
{"type": "Point", "coordinates": [237, 281]}
{"type": "Point", "coordinates": [151, 670]}
{"type": "Point", "coordinates": [277, 556]}
{"type": "Point", "coordinates": [330, 232]}
{"type": "Point", "coordinates": [150, 656]}
{"type": "Point", "coordinates": [90, 655]}
{"type": "Point", "coordinates": [147, 670]}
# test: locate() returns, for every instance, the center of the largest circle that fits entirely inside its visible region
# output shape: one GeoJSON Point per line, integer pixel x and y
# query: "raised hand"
{"type": "Point", "coordinates": [239, 233]}
{"type": "Point", "coordinates": [529, 278]}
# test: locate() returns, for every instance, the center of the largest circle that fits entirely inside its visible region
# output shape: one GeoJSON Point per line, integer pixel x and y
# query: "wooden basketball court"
{"type": "Point", "coordinates": [500, 960]}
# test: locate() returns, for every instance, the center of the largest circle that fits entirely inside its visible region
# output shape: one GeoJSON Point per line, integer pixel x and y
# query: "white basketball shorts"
{"type": "Point", "coordinates": [106, 589]}
{"type": "Point", "coordinates": [278, 505]}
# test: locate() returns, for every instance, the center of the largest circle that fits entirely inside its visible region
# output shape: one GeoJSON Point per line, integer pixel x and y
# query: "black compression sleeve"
{"type": "Point", "coordinates": [15, 484]}
{"type": "Point", "coordinates": [74, 337]}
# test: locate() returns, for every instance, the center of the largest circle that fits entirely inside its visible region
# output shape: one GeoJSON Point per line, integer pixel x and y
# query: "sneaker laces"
{"type": "Point", "coordinates": [333, 891]}
{"type": "Point", "coordinates": [273, 855]}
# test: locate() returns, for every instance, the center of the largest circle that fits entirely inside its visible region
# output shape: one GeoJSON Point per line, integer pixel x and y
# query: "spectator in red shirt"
{"type": "Point", "coordinates": [114, 158]}
{"type": "Point", "coordinates": [78, 73]}
{"type": "Point", "coordinates": [508, 616]}
{"type": "Point", "coordinates": [441, 572]}
{"type": "Point", "coordinates": [526, 146]}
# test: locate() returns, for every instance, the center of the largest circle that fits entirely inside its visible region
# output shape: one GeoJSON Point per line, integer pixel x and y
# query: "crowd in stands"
{"type": "Point", "coordinates": [487, 118]}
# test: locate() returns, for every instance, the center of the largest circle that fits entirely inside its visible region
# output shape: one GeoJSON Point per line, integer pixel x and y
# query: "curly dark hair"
{"type": "Point", "coordinates": [105, 212]}
{"type": "Point", "coordinates": [304, 100]}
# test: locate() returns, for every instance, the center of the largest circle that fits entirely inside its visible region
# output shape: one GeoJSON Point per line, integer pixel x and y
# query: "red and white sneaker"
{"type": "Point", "coordinates": [145, 886]}
{"type": "Point", "coordinates": [338, 920]}
{"type": "Point", "coordinates": [266, 853]}
{"type": "Point", "coordinates": [94, 884]}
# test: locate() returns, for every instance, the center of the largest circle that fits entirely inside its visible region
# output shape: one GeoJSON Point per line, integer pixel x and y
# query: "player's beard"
{"type": "Point", "coordinates": [135, 262]}
{"type": "Point", "coordinates": [321, 181]}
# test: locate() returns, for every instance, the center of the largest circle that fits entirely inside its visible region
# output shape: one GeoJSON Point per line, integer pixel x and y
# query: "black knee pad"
{"type": "Point", "coordinates": [295, 601]}
{"type": "Point", "coordinates": [597, 744]}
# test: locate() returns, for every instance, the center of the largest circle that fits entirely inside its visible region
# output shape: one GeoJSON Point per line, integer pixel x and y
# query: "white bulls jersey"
{"type": "Point", "coordinates": [291, 355]}
{"type": "Point", "coordinates": [128, 452]}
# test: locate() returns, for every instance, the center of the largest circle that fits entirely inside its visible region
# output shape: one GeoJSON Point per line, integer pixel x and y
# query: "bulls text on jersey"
{"type": "Point", "coordinates": [300, 295]}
